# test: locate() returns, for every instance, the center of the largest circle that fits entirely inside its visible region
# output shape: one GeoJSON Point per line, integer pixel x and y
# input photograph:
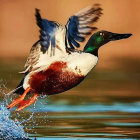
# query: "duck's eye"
{"type": "Point", "coordinates": [101, 34]}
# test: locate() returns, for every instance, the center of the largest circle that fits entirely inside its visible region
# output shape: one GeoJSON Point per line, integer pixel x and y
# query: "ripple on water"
{"type": "Point", "coordinates": [92, 107]}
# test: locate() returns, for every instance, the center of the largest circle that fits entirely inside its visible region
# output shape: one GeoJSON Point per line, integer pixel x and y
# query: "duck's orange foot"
{"type": "Point", "coordinates": [24, 104]}
{"type": "Point", "coordinates": [17, 101]}
{"type": "Point", "coordinates": [21, 102]}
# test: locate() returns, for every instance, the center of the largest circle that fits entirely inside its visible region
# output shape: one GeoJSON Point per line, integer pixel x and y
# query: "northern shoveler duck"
{"type": "Point", "coordinates": [54, 64]}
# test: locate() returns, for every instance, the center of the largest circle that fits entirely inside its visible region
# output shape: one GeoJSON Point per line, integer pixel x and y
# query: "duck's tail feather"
{"type": "Point", "coordinates": [19, 89]}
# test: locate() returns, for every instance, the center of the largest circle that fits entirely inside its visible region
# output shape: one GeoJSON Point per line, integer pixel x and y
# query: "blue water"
{"type": "Point", "coordinates": [101, 115]}
{"type": "Point", "coordinates": [91, 107]}
{"type": "Point", "coordinates": [63, 121]}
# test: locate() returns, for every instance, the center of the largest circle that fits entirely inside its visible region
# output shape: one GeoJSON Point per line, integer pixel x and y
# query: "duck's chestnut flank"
{"type": "Point", "coordinates": [56, 79]}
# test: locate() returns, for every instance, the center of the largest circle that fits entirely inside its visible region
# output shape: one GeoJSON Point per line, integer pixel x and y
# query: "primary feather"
{"type": "Point", "coordinates": [47, 32]}
{"type": "Point", "coordinates": [79, 25]}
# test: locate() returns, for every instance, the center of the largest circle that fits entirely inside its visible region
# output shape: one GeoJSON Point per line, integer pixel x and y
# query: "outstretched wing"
{"type": "Point", "coordinates": [47, 32]}
{"type": "Point", "coordinates": [47, 39]}
{"type": "Point", "coordinates": [80, 25]}
{"type": "Point", "coordinates": [33, 57]}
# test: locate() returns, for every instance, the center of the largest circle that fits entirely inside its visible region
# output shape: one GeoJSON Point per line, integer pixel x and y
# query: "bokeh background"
{"type": "Point", "coordinates": [116, 78]}
{"type": "Point", "coordinates": [18, 32]}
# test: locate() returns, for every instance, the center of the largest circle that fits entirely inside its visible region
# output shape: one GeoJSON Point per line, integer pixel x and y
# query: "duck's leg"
{"type": "Point", "coordinates": [24, 104]}
{"type": "Point", "coordinates": [18, 100]}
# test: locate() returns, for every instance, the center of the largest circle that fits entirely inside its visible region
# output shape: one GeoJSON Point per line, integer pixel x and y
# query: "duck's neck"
{"type": "Point", "coordinates": [91, 48]}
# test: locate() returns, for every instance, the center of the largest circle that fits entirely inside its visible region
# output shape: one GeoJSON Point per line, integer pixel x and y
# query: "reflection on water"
{"type": "Point", "coordinates": [110, 121]}
{"type": "Point", "coordinates": [105, 106]}
{"type": "Point", "coordinates": [79, 122]}
{"type": "Point", "coordinates": [92, 107]}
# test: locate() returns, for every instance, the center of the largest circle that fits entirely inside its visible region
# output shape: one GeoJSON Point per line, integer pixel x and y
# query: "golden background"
{"type": "Point", "coordinates": [18, 29]}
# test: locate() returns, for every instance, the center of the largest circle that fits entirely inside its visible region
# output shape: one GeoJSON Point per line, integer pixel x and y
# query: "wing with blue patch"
{"type": "Point", "coordinates": [80, 25]}
{"type": "Point", "coordinates": [47, 32]}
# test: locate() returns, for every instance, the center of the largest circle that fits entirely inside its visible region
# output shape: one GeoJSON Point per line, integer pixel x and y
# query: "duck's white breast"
{"type": "Point", "coordinates": [81, 63]}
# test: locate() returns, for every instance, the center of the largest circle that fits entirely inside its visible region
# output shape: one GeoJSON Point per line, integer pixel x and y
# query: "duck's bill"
{"type": "Point", "coordinates": [115, 36]}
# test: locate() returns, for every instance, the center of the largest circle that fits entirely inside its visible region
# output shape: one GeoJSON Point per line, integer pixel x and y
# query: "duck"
{"type": "Point", "coordinates": [55, 64]}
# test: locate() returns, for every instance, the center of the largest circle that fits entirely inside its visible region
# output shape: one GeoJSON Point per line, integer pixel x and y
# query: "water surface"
{"type": "Point", "coordinates": [106, 105]}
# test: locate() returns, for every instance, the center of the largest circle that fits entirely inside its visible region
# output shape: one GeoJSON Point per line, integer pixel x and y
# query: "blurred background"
{"type": "Point", "coordinates": [116, 78]}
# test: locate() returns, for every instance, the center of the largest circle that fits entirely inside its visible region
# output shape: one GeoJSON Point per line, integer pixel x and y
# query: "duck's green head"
{"type": "Point", "coordinates": [100, 38]}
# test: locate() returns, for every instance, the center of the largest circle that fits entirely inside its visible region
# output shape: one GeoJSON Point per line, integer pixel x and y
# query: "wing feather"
{"type": "Point", "coordinates": [80, 24]}
{"type": "Point", "coordinates": [33, 57]}
{"type": "Point", "coordinates": [47, 32]}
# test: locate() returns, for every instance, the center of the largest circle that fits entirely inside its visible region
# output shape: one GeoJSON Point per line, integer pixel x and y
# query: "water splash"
{"type": "Point", "coordinates": [14, 129]}
{"type": "Point", "coordinates": [10, 129]}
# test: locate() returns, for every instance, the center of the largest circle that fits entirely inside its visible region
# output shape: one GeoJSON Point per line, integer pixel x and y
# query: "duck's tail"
{"type": "Point", "coordinates": [19, 89]}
